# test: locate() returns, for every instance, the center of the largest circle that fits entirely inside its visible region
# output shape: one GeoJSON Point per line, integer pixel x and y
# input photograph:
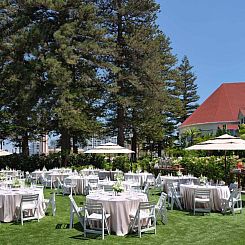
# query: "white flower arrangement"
{"type": "Point", "coordinates": [179, 173]}
{"type": "Point", "coordinates": [203, 179]}
{"type": "Point", "coordinates": [2, 177]}
{"type": "Point", "coordinates": [16, 183]}
{"type": "Point", "coordinates": [118, 187]}
{"type": "Point", "coordinates": [118, 177]}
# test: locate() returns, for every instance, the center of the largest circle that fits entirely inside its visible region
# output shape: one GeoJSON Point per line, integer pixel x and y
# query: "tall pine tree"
{"type": "Point", "coordinates": [186, 89]}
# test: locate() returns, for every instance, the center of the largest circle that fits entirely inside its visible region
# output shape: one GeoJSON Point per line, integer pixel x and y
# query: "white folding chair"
{"type": "Point", "coordinates": [74, 209]}
{"type": "Point", "coordinates": [94, 214]}
{"type": "Point", "coordinates": [45, 181]}
{"type": "Point", "coordinates": [28, 207]}
{"type": "Point", "coordinates": [51, 201]}
{"type": "Point", "coordinates": [158, 182]}
{"type": "Point", "coordinates": [150, 179]}
{"type": "Point", "coordinates": [67, 187]}
{"type": "Point", "coordinates": [146, 189]}
{"type": "Point", "coordinates": [174, 196]}
{"type": "Point", "coordinates": [233, 203]}
{"type": "Point", "coordinates": [144, 219]}
{"type": "Point", "coordinates": [202, 197]}
{"type": "Point", "coordinates": [161, 208]}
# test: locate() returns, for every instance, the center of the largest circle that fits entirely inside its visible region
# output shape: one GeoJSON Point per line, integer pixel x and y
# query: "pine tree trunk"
{"type": "Point", "coordinates": [159, 149]}
{"type": "Point", "coordinates": [25, 145]}
{"type": "Point", "coordinates": [134, 146]}
{"type": "Point", "coordinates": [120, 126]}
{"type": "Point", "coordinates": [74, 145]}
{"type": "Point", "coordinates": [65, 142]}
{"type": "Point", "coordinates": [120, 109]}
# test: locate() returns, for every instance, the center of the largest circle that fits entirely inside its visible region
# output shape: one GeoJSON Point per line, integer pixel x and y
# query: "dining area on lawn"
{"type": "Point", "coordinates": [114, 202]}
{"type": "Point", "coordinates": [119, 205]}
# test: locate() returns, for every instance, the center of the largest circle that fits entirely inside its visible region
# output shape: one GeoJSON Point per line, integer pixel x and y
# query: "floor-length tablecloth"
{"type": "Point", "coordinates": [10, 201]}
{"type": "Point", "coordinates": [217, 193]}
{"type": "Point", "coordinates": [180, 179]}
{"type": "Point", "coordinates": [103, 174]}
{"type": "Point", "coordinates": [81, 182]}
{"type": "Point", "coordinates": [119, 208]}
{"type": "Point", "coordinates": [139, 178]}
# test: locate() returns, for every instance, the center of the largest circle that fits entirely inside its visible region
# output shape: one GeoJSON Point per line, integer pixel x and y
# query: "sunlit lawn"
{"type": "Point", "coordinates": [182, 228]}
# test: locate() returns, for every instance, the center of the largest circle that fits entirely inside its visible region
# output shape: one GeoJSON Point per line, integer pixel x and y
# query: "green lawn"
{"type": "Point", "coordinates": [182, 228]}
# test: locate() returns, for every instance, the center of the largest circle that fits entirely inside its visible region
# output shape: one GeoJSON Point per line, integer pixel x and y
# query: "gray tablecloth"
{"type": "Point", "coordinates": [217, 193]}
{"type": "Point", "coordinates": [10, 200]}
{"type": "Point", "coordinates": [119, 208]}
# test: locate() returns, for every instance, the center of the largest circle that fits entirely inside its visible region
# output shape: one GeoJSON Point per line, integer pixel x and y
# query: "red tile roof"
{"type": "Point", "coordinates": [221, 106]}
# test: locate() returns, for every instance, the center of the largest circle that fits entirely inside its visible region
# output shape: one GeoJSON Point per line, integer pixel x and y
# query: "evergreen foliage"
{"type": "Point", "coordinates": [85, 68]}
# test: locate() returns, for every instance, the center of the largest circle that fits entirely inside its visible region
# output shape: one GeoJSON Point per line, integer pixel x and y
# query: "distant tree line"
{"type": "Point", "coordinates": [84, 68]}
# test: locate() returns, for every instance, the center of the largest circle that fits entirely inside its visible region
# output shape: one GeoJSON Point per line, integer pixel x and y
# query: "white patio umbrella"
{"type": "Point", "coordinates": [222, 143]}
{"type": "Point", "coordinates": [109, 148]}
{"type": "Point", "coordinates": [5, 153]}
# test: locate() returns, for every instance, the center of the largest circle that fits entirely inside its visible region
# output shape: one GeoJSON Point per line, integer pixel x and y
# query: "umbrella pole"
{"type": "Point", "coordinates": [225, 169]}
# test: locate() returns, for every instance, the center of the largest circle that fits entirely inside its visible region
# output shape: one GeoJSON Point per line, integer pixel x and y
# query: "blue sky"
{"type": "Point", "coordinates": [212, 35]}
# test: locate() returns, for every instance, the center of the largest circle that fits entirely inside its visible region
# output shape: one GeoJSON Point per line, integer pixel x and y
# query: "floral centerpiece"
{"type": "Point", "coordinates": [118, 177]}
{"type": "Point", "coordinates": [16, 183]}
{"type": "Point", "coordinates": [118, 186]}
{"type": "Point", "coordinates": [2, 177]}
{"type": "Point", "coordinates": [179, 173]}
{"type": "Point", "coordinates": [203, 179]}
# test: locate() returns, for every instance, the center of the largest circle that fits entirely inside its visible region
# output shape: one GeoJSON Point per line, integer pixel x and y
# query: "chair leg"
{"type": "Point", "coordinates": [21, 217]}
{"type": "Point", "coordinates": [103, 228]}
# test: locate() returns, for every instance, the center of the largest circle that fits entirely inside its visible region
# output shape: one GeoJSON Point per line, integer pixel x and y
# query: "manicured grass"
{"type": "Point", "coordinates": [182, 228]}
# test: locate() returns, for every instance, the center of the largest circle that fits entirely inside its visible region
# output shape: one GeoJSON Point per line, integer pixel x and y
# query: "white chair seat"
{"type": "Point", "coordinates": [95, 216]}
{"type": "Point", "coordinates": [28, 206]}
{"type": "Point", "coordinates": [202, 200]}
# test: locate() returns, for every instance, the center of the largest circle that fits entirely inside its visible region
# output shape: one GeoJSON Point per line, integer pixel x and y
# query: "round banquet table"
{"type": "Point", "coordinates": [81, 182]}
{"type": "Point", "coordinates": [10, 199]}
{"type": "Point", "coordinates": [103, 174]}
{"type": "Point", "coordinates": [119, 207]}
{"type": "Point", "coordinates": [217, 193]}
{"type": "Point", "coordinates": [54, 177]}
{"type": "Point", "coordinates": [127, 185]}
{"type": "Point", "coordinates": [140, 178]}
{"type": "Point", "coordinates": [180, 179]}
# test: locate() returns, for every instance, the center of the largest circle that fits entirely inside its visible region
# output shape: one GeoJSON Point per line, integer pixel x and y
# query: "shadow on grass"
{"type": "Point", "coordinates": [88, 237]}
{"type": "Point", "coordinates": [62, 226]}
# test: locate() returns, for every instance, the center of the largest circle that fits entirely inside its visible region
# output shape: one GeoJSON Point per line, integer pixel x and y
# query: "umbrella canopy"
{"type": "Point", "coordinates": [4, 153]}
{"type": "Point", "coordinates": [109, 148]}
{"type": "Point", "coordinates": [224, 142]}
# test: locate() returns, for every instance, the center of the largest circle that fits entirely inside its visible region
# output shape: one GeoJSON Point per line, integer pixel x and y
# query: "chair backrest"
{"type": "Point", "coordinates": [233, 186]}
{"type": "Point", "coordinates": [59, 182]}
{"type": "Point", "coordinates": [202, 193]}
{"type": "Point", "coordinates": [93, 208]}
{"type": "Point", "coordinates": [162, 201]}
{"type": "Point", "coordinates": [158, 180]}
{"type": "Point", "coordinates": [32, 198]}
{"type": "Point", "coordinates": [74, 205]}
{"type": "Point", "coordinates": [93, 181]}
{"type": "Point", "coordinates": [146, 207]}
{"type": "Point", "coordinates": [146, 188]}
{"type": "Point", "coordinates": [171, 187]}
{"type": "Point", "coordinates": [236, 193]}
{"type": "Point", "coordinates": [68, 181]}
